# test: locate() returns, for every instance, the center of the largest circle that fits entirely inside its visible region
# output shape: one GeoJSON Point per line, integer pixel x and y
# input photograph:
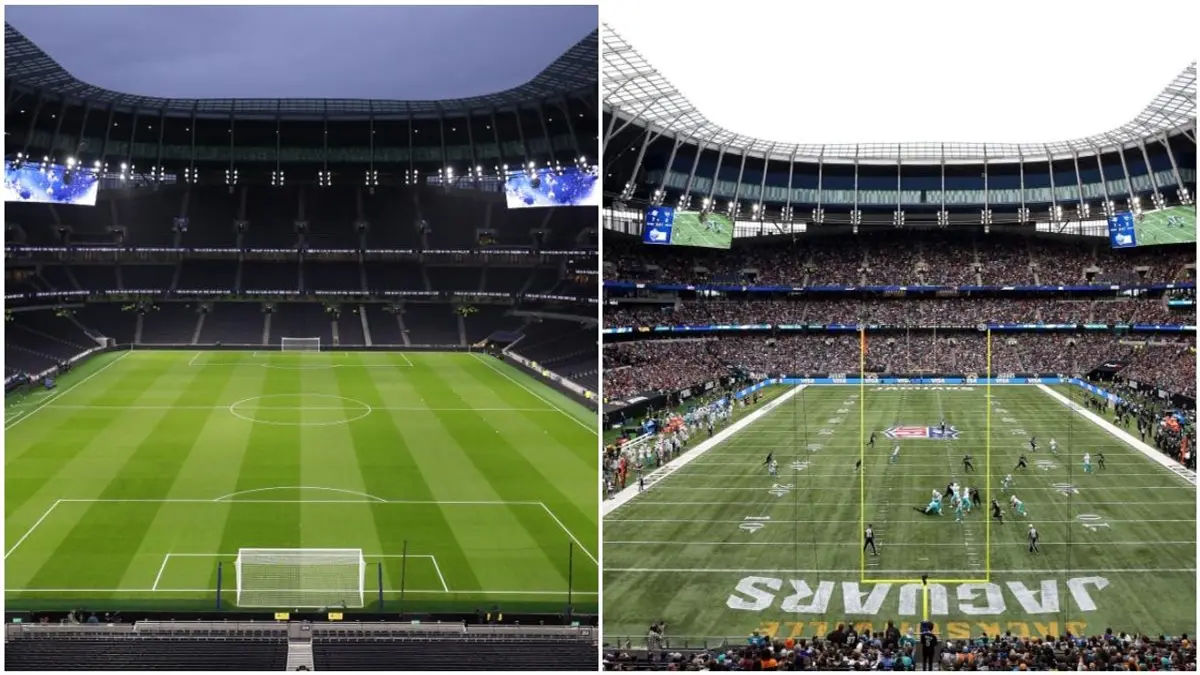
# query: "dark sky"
{"type": "Point", "coordinates": [388, 52]}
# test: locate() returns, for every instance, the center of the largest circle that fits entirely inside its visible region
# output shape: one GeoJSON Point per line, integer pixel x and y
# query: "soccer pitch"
{"type": "Point", "coordinates": [1174, 225]}
{"type": "Point", "coordinates": [127, 485]}
{"type": "Point", "coordinates": [687, 230]}
{"type": "Point", "coordinates": [719, 548]}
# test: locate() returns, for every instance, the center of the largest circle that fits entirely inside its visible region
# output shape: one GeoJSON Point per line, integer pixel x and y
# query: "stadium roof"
{"type": "Point", "coordinates": [28, 66]}
{"type": "Point", "coordinates": [634, 90]}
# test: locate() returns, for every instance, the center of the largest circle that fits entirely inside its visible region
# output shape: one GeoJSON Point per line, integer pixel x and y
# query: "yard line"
{"type": "Point", "coordinates": [161, 569]}
{"type": "Point", "coordinates": [439, 573]}
{"type": "Point", "coordinates": [66, 391]}
{"type": "Point", "coordinates": [843, 489]}
{"type": "Point", "coordinates": [855, 572]}
{"type": "Point", "coordinates": [659, 542]}
{"type": "Point", "coordinates": [822, 521]}
{"type": "Point", "coordinates": [569, 534]}
{"type": "Point", "coordinates": [591, 429]}
{"type": "Point", "coordinates": [192, 361]}
{"type": "Point", "coordinates": [31, 529]}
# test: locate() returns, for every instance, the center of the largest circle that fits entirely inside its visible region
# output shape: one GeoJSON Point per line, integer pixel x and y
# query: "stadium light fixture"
{"type": "Point", "coordinates": [1085, 210]}
{"type": "Point", "coordinates": [231, 177]}
{"type": "Point", "coordinates": [785, 214]}
{"type": "Point", "coordinates": [898, 218]}
{"type": "Point", "coordinates": [1058, 213]}
{"type": "Point", "coordinates": [1185, 197]}
{"type": "Point", "coordinates": [372, 178]}
{"type": "Point", "coordinates": [277, 178]}
{"type": "Point", "coordinates": [1135, 205]}
{"type": "Point", "coordinates": [70, 162]}
{"type": "Point", "coordinates": [324, 179]}
{"type": "Point", "coordinates": [19, 161]}
{"type": "Point", "coordinates": [943, 218]}
{"type": "Point", "coordinates": [627, 191]}
{"type": "Point", "coordinates": [855, 218]}
{"type": "Point", "coordinates": [657, 197]}
{"type": "Point", "coordinates": [985, 217]}
{"type": "Point", "coordinates": [685, 200]}
{"type": "Point", "coordinates": [1157, 200]}
{"type": "Point", "coordinates": [1109, 208]}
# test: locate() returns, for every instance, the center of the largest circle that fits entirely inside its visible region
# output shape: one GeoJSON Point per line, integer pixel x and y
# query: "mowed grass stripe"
{"type": "Point", "coordinates": [506, 471]}
{"type": "Point", "coordinates": [272, 459]}
{"type": "Point", "coordinates": [394, 468]}
{"type": "Point", "coordinates": [146, 473]}
{"type": "Point", "coordinates": [329, 458]}
{"type": "Point", "coordinates": [559, 450]}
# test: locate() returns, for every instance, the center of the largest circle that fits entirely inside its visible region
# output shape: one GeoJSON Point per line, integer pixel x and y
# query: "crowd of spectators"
{"type": "Point", "coordinates": [888, 650]}
{"type": "Point", "coordinates": [1169, 365]}
{"type": "Point", "coordinates": [902, 258]}
{"type": "Point", "coordinates": [931, 313]}
{"type": "Point", "coordinates": [659, 365]}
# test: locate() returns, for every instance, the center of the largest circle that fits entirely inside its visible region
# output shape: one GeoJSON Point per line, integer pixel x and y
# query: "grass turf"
{"type": "Point", "coordinates": [128, 484]}
{"type": "Point", "coordinates": [718, 548]}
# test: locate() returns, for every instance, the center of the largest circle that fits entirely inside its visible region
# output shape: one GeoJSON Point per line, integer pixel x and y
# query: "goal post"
{"type": "Point", "coordinates": [300, 577]}
{"type": "Point", "coordinates": [300, 344]}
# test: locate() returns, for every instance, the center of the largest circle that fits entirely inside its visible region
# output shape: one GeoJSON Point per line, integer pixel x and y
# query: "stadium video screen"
{"type": "Point", "coordinates": [547, 188]}
{"type": "Point", "coordinates": [30, 183]}
{"type": "Point", "coordinates": [1174, 225]}
{"type": "Point", "coordinates": [665, 226]}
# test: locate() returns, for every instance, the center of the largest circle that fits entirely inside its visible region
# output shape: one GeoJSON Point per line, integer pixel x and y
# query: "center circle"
{"type": "Point", "coordinates": [300, 410]}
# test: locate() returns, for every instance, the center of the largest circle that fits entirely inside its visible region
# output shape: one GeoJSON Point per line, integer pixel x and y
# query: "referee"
{"type": "Point", "coordinates": [1033, 537]}
{"type": "Point", "coordinates": [869, 540]}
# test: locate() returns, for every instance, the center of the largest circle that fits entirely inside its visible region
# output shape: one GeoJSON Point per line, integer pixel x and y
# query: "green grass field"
{"type": "Point", "coordinates": [687, 230]}
{"type": "Point", "coordinates": [1174, 225]}
{"type": "Point", "coordinates": [127, 485]}
{"type": "Point", "coordinates": [719, 548]}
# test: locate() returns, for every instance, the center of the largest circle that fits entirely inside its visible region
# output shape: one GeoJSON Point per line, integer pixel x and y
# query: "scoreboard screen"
{"type": "Point", "coordinates": [666, 226]}
{"type": "Point", "coordinates": [1172, 225]}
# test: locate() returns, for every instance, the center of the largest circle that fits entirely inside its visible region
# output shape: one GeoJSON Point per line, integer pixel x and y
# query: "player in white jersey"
{"type": "Point", "coordinates": [895, 458]}
{"type": "Point", "coordinates": [1008, 480]}
{"type": "Point", "coordinates": [1053, 446]}
{"type": "Point", "coordinates": [1087, 462]}
{"type": "Point", "coordinates": [773, 468]}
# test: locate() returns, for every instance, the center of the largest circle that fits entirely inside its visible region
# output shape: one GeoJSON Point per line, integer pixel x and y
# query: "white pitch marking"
{"type": "Point", "coordinates": [510, 378]}
{"type": "Point", "coordinates": [161, 569]}
{"type": "Point", "coordinates": [31, 529]}
{"type": "Point", "coordinates": [66, 391]}
{"type": "Point", "coordinates": [569, 534]}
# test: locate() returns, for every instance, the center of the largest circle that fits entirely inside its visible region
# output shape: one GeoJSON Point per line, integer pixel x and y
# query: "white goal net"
{"type": "Point", "coordinates": [290, 344]}
{"type": "Point", "coordinates": [300, 577]}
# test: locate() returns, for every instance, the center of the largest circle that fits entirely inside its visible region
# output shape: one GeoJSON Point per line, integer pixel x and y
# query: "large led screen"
{"type": "Point", "coordinates": [666, 226]}
{"type": "Point", "coordinates": [31, 183]}
{"type": "Point", "coordinates": [548, 187]}
{"type": "Point", "coordinates": [1173, 225]}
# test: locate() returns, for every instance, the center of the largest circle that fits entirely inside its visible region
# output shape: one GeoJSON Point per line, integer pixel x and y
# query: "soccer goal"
{"type": "Point", "coordinates": [298, 344]}
{"type": "Point", "coordinates": [300, 577]}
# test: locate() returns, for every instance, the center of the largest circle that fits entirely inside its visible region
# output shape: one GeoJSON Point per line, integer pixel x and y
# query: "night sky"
{"type": "Point", "coordinates": [403, 53]}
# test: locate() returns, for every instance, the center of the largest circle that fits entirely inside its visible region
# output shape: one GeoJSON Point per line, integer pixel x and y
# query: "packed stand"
{"type": "Point", "coordinates": [931, 313]}
{"type": "Point", "coordinates": [659, 365]}
{"type": "Point", "coordinates": [888, 649]}
{"type": "Point", "coordinates": [1169, 366]}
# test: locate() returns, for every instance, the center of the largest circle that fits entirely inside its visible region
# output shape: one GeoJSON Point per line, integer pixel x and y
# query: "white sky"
{"type": "Point", "coordinates": [810, 71]}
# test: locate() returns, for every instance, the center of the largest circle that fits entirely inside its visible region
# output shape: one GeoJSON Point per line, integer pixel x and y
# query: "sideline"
{"type": "Point", "coordinates": [1120, 434]}
{"type": "Point", "coordinates": [625, 496]}
{"type": "Point", "coordinates": [68, 390]}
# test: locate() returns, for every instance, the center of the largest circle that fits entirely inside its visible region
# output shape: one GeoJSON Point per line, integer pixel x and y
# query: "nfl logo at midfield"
{"type": "Point", "coordinates": [929, 433]}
